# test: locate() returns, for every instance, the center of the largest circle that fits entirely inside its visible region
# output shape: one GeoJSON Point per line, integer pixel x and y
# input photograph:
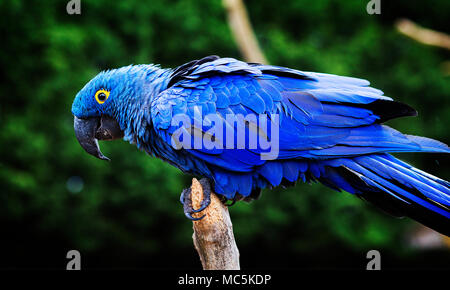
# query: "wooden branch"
{"type": "Point", "coordinates": [243, 31]}
{"type": "Point", "coordinates": [213, 235]}
{"type": "Point", "coordinates": [423, 35]}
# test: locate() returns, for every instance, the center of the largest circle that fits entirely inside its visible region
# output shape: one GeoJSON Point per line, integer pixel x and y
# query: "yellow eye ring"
{"type": "Point", "coordinates": [101, 96]}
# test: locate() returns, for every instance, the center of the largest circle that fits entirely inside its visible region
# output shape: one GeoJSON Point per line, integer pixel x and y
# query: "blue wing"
{"type": "Point", "coordinates": [321, 116]}
{"type": "Point", "coordinates": [330, 130]}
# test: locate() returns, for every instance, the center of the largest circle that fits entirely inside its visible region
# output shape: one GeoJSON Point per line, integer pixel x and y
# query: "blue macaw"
{"type": "Point", "coordinates": [329, 130]}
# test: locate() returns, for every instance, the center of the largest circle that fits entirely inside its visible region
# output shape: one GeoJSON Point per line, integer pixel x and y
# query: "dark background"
{"type": "Point", "coordinates": [126, 214]}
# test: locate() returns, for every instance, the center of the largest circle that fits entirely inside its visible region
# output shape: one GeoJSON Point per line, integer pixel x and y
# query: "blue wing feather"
{"type": "Point", "coordinates": [318, 118]}
{"type": "Point", "coordinates": [326, 122]}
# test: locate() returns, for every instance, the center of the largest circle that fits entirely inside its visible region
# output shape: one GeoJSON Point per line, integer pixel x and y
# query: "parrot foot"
{"type": "Point", "coordinates": [186, 200]}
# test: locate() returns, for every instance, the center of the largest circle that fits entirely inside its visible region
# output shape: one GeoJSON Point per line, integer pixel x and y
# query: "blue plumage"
{"type": "Point", "coordinates": [329, 131]}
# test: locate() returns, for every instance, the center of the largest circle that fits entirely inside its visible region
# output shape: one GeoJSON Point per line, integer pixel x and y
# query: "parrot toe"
{"type": "Point", "coordinates": [186, 200]}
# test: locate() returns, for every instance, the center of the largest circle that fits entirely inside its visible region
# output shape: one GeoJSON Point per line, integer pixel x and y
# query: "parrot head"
{"type": "Point", "coordinates": [102, 102]}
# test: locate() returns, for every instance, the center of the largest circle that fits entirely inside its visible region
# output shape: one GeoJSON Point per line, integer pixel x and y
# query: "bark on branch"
{"type": "Point", "coordinates": [213, 235]}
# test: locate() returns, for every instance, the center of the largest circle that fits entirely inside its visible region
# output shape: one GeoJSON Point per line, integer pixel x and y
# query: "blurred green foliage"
{"type": "Point", "coordinates": [54, 195]}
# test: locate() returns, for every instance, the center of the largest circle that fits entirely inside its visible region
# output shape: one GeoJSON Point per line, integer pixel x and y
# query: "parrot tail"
{"type": "Point", "coordinates": [392, 185]}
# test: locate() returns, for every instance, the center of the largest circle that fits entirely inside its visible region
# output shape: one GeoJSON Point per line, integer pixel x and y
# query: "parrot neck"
{"type": "Point", "coordinates": [132, 110]}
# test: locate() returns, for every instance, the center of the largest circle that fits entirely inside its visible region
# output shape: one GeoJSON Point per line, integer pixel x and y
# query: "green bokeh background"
{"type": "Point", "coordinates": [126, 214]}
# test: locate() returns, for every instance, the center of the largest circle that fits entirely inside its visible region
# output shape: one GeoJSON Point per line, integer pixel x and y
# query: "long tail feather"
{"type": "Point", "coordinates": [394, 186]}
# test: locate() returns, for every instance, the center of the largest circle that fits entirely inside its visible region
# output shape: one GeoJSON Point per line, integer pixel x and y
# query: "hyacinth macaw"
{"type": "Point", "coordinates": [330, 130]}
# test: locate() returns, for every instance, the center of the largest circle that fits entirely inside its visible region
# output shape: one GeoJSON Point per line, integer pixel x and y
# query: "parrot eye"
{"type": "Point", "coordinates": [101, 96]}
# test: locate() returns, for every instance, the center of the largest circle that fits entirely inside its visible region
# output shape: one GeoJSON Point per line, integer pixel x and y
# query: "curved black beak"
{"type": "Point", "coordinates": [88, 131]}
